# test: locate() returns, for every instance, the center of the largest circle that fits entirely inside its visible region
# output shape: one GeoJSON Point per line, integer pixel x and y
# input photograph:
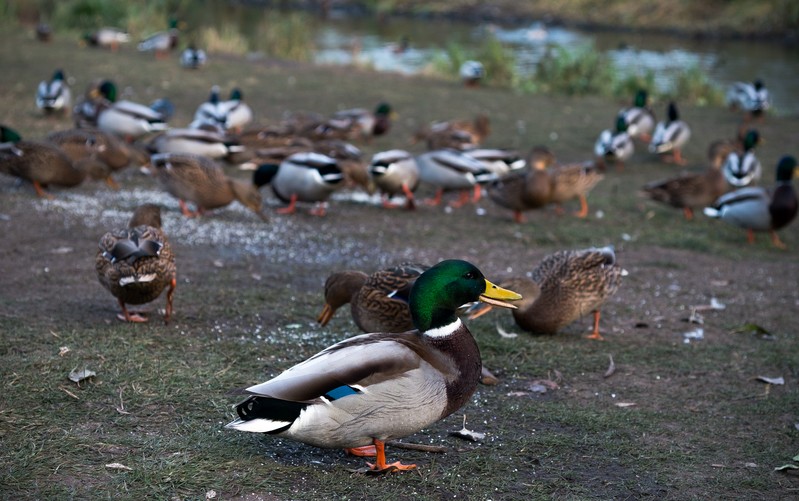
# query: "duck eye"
{"type": "Point", "coordinates": [470, 275]}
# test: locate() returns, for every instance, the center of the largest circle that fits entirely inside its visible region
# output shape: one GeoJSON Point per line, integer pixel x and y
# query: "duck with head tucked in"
{"type": "Point", "coordinates": [363, 391]}
{"type": "Point", "coordinates": [136, 264]}
{"type": "Point", "coordinates": [565, 286]}
{"type": "Point", "coordinates": [689, 190]}
{"type": "Point", "coordinates": [107, 37]}
{"type": "Point", "coordinates": [670, 136]}
{"type": "Point", "coordinates": [751, 97]}
{"type": "Point", "coordinates": [54, 95]}
{"type": "Point", "coordinates": [760, 209]}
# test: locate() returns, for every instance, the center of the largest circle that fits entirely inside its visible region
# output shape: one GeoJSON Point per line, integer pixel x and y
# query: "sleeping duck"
{"type": "Point", "coordinates": [456, 134]}
{"type": "Point", "coordinates": [54, 95]}
{"type": "Point", "coordinates": [357, 123]}
{"type": "Point", "coordinates": [108, 37]}
{"type": "Point", "coordinates": [615, 145]}
{"type": "Point", "coordinates": [395, 172]}
{"type": "Point", "coordinates": [670, 136]}
{"type": "Point", "coordinates": [742, 168]}
{"type": "Point", "coordinates": [378, 302]}
{"type": "Point", "coordinates": [366, 390]}
{"type": "Point", "coordinates": [761, 209]}
{"type": "Point", "coordinates": [195, 141]}
{"type": "Point", "coordinates": [136, 264]}
{"type": "Point", "coordinates": [565, 286]}
{"type": "Point", "coordinates": [203, 182]}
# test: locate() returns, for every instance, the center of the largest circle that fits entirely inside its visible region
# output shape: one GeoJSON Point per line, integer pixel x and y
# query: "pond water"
{"type": "Point", "coordinates": [409, 46]}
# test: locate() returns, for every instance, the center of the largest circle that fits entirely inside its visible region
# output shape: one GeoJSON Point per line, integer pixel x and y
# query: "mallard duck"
{"type": "Point", "coordinates": [570, 181]}
{"type": "Point", "coordinates": [44, 164]}
{"type": "Point", "coordinates": [193, 58]}
{"type": "Point", "coordinates": [395, 172]}
{"type": "Point", "coordinates": [54, 95]}
{"type": "Point", "coordinates": [615, 145]}
{"type": "Point", "coordinates": [378, 302]}
{"type": "Point", "coordinates": [376, 387]}
{"type": "Point", "coordinates": [302, 177]}
{"type": "Point", "coordinates": [761, 209]}
{"type": "Point", "coordinates": [350, 161]}
{"type": "Point", "coordinates": [94, 145]}
{"type": "Point", "coordinates": [639, 117]}
{"type": "Point", "coordinates": [752, 97]}
{"type": "Point", "coordinates": [497, 160]}
{"type": "Point", "coordinates": [457, 134]}
{"type": "Point", "coordinates": [162, 42]}
{"type": "Point", "coordinates": [196, 141]}
{"type": "Point", "coordinates": [689, 190]}
{"type": "Point", "coordinates": [450, 169]}
{"type": "Point", "coordinates": [136, 264]}
{"type": "Point", "coordinates": [565, 286]}
{"type": "Point", "coordinates": [237, 113]}
{"type": "Point", "coordinates": [126, 119]}
{"type": "Point", "coordinates": [472, 73]}
{"type": "Point", "coordinates": [44, 32]}
{"type": "Point", "coordinates": [108, 36]}
{"type": "Point", "coordinates": [670, 136]}
{"type": "Point", "coordinates": [528, 189]}
{"type": "Point", "coordinates": [742, 168]}
{"type": "Point", "coordinates": [351, 124]}
{"type": "Point", "coordinates": [201, 181]}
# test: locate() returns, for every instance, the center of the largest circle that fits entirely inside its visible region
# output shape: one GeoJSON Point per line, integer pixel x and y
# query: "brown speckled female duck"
{"type": "Point", "coordinates": [136, 264]}
{"type": "Point", "coordinates": [565, 286]}
{"type": "Point", "coordinates": [203, 182]}
{"type": "Point", "coordinates": [44, 164]}
{"type": "Point", "coordinates": [378, 302]}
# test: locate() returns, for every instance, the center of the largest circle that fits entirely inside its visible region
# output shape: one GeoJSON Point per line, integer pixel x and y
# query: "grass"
{"type": "Point", "coordinates": [158, 403]}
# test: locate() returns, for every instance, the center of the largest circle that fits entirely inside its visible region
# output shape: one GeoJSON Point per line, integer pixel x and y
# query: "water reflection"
{"type": "Point", "coordinates": [342, 39]}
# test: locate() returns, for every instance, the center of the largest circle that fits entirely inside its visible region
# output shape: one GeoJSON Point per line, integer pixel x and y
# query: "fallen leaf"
{"type": "Point", "coordinates": [61, 250]}
{"type": "Point", "coordinates": [210, 494]}
{"type": "Point", "coordinates": [787, 467]}
{"type": "Point", "coordinates": [503, 333]}
{"type": "Point", "coordinates": [625, 404]}
{"type": "Point", "coordinates": [219, 263]}
{"type": "Point", "coordinates": [537, 388]}
{"type": "Point", "coordinates": [771, 380]}
{"type": "Point", "coordinates": [63, 351]}
{"type": "Point", "coordinates": [118, 466]}
{"type": "Point", "coordinates": [517, 394]}
{"type": "Point", "coordinates": [755, 329]}
{"type": "Point", "coordinates": [611, 368]}
{"type": "Point", "coordinates": [547, 383]}
{"type": "Point", "coordinates": [473, 436]}
{"type": "Point", "coordinates": [78, 376]}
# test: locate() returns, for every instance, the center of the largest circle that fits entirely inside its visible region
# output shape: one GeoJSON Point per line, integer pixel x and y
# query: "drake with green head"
{"type": "Point", "coordinates": [615, 145]}
{"type": "Point", "coordinates": [639, 117]}
{"type": "Point", "coordinates": [761, 209]}
{"type": "Point", "coordinates": [670, 136]}
{"type": "Point", "coordinates": [363, 391]}
{"type": "Point", "coordinates": [54, 95]}
{"type": "Point", "coordinates": [742, 168]}
{"type": "Point", "coordinates": [126, 119]}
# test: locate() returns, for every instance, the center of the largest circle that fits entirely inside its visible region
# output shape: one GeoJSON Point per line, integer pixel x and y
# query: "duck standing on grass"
{"type": "Point", "coordinates": [615, 145]}
{"type": "Point", "coordinates": [742, 168]}
{"type": "Point", "coordinates": [639, 117]}
{"type": "Point", "coordinates": [689, 191]}
{"type": "Point", "coordinates": [670, 136]}
{"type": "Point", "coordinates": [54, 95]}
{"type": "Point", "coordinates": [753, 98]}
{"type": "Point", "coordinates": [136, 264]}
{"type": "Point", "coordinates": [565, 286]}
{"type": "Point", "coordinates": [366, 390]}
{"type": "Point", "coordinates": [759, 209]}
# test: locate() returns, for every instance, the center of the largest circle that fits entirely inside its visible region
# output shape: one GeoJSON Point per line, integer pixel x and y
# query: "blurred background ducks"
{"type": "Point", "coordinates": [54, 95]}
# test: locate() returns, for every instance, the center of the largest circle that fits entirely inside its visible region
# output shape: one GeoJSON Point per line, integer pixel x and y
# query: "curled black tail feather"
{"type": "Point", "coordinates": [273, 409]}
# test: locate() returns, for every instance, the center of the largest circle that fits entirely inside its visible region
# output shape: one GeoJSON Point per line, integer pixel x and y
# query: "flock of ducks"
{"type": "Point", "coordinates": [416, 362]}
